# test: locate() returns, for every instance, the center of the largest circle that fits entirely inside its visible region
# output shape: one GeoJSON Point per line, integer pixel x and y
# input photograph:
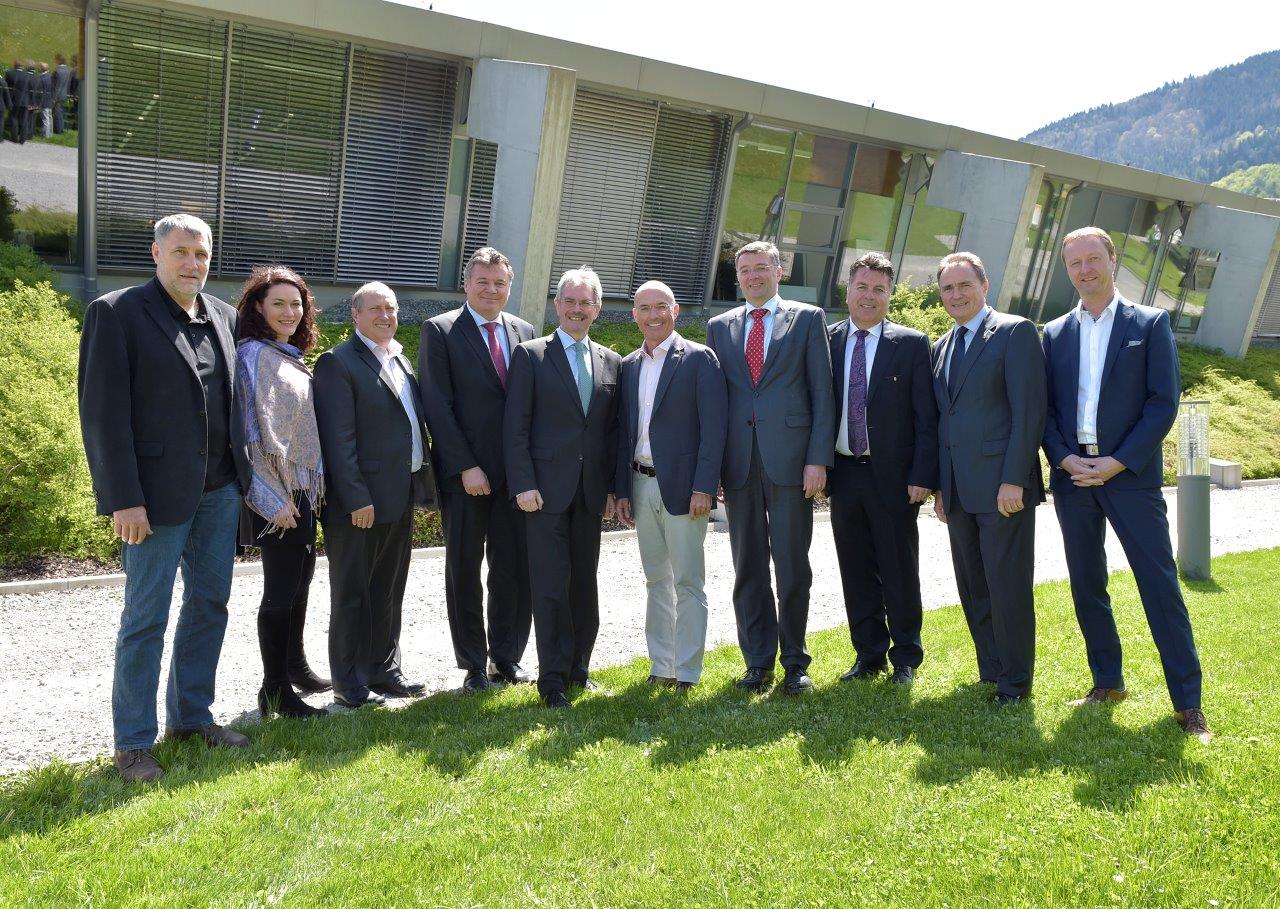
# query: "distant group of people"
{"type": "Point", "coordinates": [35, 98]}
{"type": "Point", "coordinates": [191, 407]}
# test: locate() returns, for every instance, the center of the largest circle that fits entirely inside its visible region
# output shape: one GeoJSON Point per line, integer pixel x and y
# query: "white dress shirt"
{"type": "Point", "coordinates": [1095, 335]}
{"type": "Point", "coordinates": [650, 370]}
{"type": "Point", "coordinates": [501, 333]}
{"type": "Point", "coordinates": [395, 375]}
{"type": "Point", "coordinates": [771, 308]}
{"type": "Point", "coordinates": [869, 343]}
{"type": "Point", "coordinates": [572, 356]}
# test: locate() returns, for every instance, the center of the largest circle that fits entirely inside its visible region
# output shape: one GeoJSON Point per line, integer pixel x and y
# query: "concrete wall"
{"type": "Point", "coordinates": [1248, 243]}
{"type": "Point", "coordinates": [526, 109]}
{"type": "Point", "coordinates": [997, 198]}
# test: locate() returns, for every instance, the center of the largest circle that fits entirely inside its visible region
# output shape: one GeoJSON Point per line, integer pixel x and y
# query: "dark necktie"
{"type": "Point", "coordinates": [858, 395]}
{"type": "Point", "coordinates": [755, 344]}
{"type": "Point", "coordinates": [495, 351]}
{"type": "Point", "coordinates": [957, 354]}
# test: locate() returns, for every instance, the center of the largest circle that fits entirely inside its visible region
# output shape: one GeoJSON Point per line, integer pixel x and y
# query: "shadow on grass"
{"type": "Point", "coordinates": [959, 734]}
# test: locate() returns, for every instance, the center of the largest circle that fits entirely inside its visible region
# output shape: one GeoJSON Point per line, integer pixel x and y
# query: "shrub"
{"type": "Point", "coordinates": [20, 263]}
{"type": "Point", "coordinates": [8, 207]}
{"type": "Point", "coordinates": [919, 308]}
{"type": "Point", "coordinates": [46, 499]}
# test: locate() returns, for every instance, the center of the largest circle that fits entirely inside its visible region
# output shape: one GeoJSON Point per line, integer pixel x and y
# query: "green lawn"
{"type": "Point", "coordinates": [861, 794]}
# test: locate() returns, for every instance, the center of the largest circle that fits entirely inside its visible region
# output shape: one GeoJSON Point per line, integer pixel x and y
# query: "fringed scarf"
{"type": "Point", "coordinates": [280, 426]}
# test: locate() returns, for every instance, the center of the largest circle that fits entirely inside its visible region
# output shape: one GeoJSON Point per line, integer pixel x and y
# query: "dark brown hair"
{"type": "Point", "coordinates": [872, 261]}
{"type": "Point", "coordinates": [254, 291]}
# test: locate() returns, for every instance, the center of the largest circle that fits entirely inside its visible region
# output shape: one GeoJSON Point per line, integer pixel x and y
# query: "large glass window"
{"type": "Point", "coordinates": [933, 233]}
{"type": "Point", "coordinates": [875, 202]}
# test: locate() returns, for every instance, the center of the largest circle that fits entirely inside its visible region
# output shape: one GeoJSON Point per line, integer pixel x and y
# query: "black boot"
{"type": "Point", "coordinates": [301, 675]}
{"type": "Point", "coordinates": [276, 695]}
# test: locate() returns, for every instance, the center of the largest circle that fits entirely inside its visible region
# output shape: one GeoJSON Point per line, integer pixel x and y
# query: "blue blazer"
{"type": "Point", "coordinates": [1141, 383]}
{"type": "Point", "coordinates": [686, 429]}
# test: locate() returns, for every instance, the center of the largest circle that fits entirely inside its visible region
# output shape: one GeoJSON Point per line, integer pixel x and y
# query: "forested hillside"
{"type": "Point", "coordinates": [1202, 128]}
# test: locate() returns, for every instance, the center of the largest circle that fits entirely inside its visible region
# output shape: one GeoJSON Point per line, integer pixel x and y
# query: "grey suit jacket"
{"type": "Point", "coordinates": [365, 438]}
{"type": "Point", "coordinates": [551, 445]}
{"type": "Point", "coordinates": [686, 428]}
{"type": "Point", "coordinates": [792, 407]}
{"type": "Point", "coordinates": [463, 398]}
{"type": "Point", "coordinates": [989, 433]}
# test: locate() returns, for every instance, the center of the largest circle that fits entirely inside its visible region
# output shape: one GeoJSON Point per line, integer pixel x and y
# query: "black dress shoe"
{"type": "Point", "coordinates": [796, 681]}
{"type": "Point", "coordinates": [511, 673]}
{"type": "Point", "coordinates": [864, 669]}
{"type": "Point", "coordinates": [355, 701]}
{"type": "Point", "coordinates": [903, 675]}
{"type": "Point", "coordinates": [755, 680]}
{"type": "Point", "coordinates": [685, 686]}
{"type": "Point", "coordinates": [305, 680]}
{"type": "Point", "coordinates": [475, 682]}
{"type": "Point", "coordinates": [661, 680]}
{"type": "Point", "coordinates": [556, 700]}
{"type": "Point", "coordinates": [399, 688]}
{"type": "Point", "coordinates": [282, 700]}
{"type": "Point", "coordinates": [1007, 700]}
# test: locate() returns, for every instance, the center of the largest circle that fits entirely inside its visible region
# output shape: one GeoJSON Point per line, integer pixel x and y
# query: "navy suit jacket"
{"type": "Point", "coordinates": [1138, 401]}
{"type": "Point", "coordinates": [686, 428]}
{"type": "Point", "coordinates": [902, 416]}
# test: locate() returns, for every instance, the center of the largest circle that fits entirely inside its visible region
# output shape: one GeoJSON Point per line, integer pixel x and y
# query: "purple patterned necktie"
{"type": "Point", "coordinates": [858, 396]}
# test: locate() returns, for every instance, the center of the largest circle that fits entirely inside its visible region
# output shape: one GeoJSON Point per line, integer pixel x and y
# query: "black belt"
{"type": "Point", "coordinates": [641, 468]}
{"type": "Point", "coordinates": [1089, 451]}
{"type": "Point", "coordinates": [857, 459]}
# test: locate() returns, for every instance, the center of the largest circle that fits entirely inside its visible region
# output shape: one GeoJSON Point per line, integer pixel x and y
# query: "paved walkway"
{"type": "Point", "coordinates": [40, 174]}
{"type": "Point", "coordinates": [55, 678]}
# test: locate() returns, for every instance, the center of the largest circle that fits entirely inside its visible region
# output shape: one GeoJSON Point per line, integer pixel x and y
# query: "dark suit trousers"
{"type": "Point", "coordinates": [474, 525]}
{"type": "Point", "coordinates": [878, 548]}
{"type": "Point", "coordinates": [994, 559]}
{"type": "Point", "coordinates": [367, 574]}
{"type": "Point", "coordinates": [763, 518]}
{"type": "Point", "coordinates": [564, 551]}
{"type": "Point", "coordinates": [1140, 521]}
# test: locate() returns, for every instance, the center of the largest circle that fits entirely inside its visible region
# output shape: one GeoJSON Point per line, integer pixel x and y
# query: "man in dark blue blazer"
{"type": "Point", "coordinates": [886, 466]}
{"type": "Point", "coordinates": [463, 362]}
{"type": "Point", "coordinates": [164, 437]}
{"type": "Point", "coordinates": [1114, 382]}
{"type": "Point", "coordinates": [671, 426]}
{"type": "Point", "coordinates": [988, 380]}
{"type": "Point", "coordinates": [560, 430]}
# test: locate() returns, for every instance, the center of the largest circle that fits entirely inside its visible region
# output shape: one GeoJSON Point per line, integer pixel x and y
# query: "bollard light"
{"type": "Point", "coordinates": [1193, 489]}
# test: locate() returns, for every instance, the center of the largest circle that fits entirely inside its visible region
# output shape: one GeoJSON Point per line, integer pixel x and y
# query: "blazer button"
{"type": "Point", "coordinates": [200, 413]}
{"type": "Point", "coordinates": [202, 451]}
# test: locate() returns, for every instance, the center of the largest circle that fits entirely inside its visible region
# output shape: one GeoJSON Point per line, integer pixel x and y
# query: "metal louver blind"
{"type": "Point", "coordinates": [399, 132]}
{"type": "Point", "coordinates": [676, 236]}
{"type": "Point", "coordinates": [610, 144]}
{"type": "Point", "coordinates": [1268, 324]}
{"type": "Point", "coordinates": [284, 128]}
{"type": "Point", "coordinates": [159, 125]}
{"type": "Point", "coordinates": [475, 230]}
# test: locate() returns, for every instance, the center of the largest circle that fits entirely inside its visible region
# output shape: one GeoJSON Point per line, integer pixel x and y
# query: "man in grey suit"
{"type": "Point", "coordinates": [560, 432]}
{"type": "Point", "coordinates": [671, 425]}
{"type": "Point", "coordinates": [61, 87]}
{"type": "Point", "coordinates": [463, 361]}
{"type": "Point", "coordinates": [377, 468]}
{"type": "Point", "coordinates": [778, 447]}
{"type": "Point", "coordinates": [989, 382]}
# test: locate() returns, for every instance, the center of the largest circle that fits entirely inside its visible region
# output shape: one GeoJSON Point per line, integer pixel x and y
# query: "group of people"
{"type": "Point", "coordinates": [35, 97]}
{"type": "Point", "coordinates": [525, 442]}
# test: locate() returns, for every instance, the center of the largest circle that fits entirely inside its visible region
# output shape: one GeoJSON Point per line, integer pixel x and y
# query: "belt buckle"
{"type": "Point", "coordinates": [1090, 450]}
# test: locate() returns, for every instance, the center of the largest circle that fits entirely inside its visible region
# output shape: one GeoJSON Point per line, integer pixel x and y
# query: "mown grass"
{"type": "Point", "coordinates": [861, 794]}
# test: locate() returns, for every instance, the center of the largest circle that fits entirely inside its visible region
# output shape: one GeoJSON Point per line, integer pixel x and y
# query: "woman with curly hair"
{"type": "Point", "coordinates": [277, 326]}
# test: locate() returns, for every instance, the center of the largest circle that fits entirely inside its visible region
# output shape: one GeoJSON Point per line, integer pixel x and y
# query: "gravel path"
{"type": "Point", "coordinates": [55, 678]}
{"type": "Point", "coordinates": [40, 174]}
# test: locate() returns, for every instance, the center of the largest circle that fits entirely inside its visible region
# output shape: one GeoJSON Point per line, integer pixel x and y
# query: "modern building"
{"type": "Point", "coordinates": [363, 139]}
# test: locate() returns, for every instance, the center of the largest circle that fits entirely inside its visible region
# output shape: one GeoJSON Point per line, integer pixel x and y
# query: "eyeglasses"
{"type": "Point", "coordinates": [756, 270]}
{"type": "Point", "coordinates": [663, 307]}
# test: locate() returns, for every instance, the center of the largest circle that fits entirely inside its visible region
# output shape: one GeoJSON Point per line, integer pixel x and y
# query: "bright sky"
{"type": "Point", "coordinates": [1019, 64]}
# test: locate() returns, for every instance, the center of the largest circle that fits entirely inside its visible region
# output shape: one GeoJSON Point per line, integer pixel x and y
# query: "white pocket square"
{"type": "Point", "coordinates": [1134, 343]}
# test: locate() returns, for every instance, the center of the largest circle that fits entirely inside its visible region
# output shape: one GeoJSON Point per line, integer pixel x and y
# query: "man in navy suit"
{"type": "Point", "coordinates": [988, 379]}
{"type": "Point", "coordinates": [463, 362]}
{"type": "Point", "coordinates": [779, 444]}
{"type": "Point", "coordinates": [670, 441]}
{"type": "Point", "coordinates": [560, 431]}
{"type": "Point", "coordinates": [1114, 381]}
{"type": "Point", "coordinates": [886, 466]}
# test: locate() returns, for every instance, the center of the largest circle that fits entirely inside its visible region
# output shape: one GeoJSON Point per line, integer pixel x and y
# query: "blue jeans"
{"type": "Point", "coordinates": [204, 547]}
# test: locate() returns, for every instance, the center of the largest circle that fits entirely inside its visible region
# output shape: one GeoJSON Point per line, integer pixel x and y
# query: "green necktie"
{"type": "Point", "coordinates": [584, 376]}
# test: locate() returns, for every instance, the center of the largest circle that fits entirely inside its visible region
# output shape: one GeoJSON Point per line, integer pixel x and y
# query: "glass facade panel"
{"type": "Point", "coordinates": [1191, 271]}
{"type": "Point", "coordinates": [875, 201]}
{"type": "Point", "coordinates": [820, 170]}
{"type": "Point", "coordinates": [757, 193]}
{"type": "Point", "coordinates": [805, 275]}
{"type": "Point", "coordinates": [933, 233]}
{"type": "Point", "coordinates": [809, 228]}
{"type": "Point", "coordinates": [1137, 249]}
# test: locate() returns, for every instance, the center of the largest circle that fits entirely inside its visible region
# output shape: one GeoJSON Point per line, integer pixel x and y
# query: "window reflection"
{"type": "Point", "coordinates": [933, 233]}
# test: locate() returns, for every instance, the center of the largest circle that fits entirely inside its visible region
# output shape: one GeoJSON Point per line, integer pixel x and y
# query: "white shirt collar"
{"type": "Point", "coordinates": [393, 348]}
{"type": "Point", "coordinates": [976, 322]}
{"type": "Point", "coordinates": [771, 305]}
{"type": "Point", "coordinates": [664, 346]}
{"type": "Point", "coordinates": [481, 321]}
{"type": "Point", "coordinates": [567, 340]}
{"type": "Point", "coordinates": [1111, 308]}
{"type": "Point", "coordinates": [874, 331]}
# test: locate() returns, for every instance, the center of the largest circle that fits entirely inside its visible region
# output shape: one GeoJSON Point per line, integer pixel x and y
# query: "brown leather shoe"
{"type": "Point", "coordinates": [1193, 722]}
{"type": "Point", "coordinates": [136, 765]}
{"type": "Point", "coordinates": [213, 735]}
{"type": "Point", "coordinates": [1098, 695]}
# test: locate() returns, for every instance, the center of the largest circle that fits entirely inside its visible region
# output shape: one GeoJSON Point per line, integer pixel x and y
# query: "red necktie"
{"type": "Point", "coordinates": [495, 351]}
{"type": "Point", "coordinates": [755, 344]}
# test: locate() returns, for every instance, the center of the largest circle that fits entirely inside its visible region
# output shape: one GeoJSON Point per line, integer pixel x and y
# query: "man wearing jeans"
{"type": "Point", "coordinates": [166, 454]}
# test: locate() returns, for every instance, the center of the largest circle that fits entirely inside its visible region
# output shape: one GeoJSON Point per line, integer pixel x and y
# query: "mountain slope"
{"type": "Point", "coordinates": [1202, 128]}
